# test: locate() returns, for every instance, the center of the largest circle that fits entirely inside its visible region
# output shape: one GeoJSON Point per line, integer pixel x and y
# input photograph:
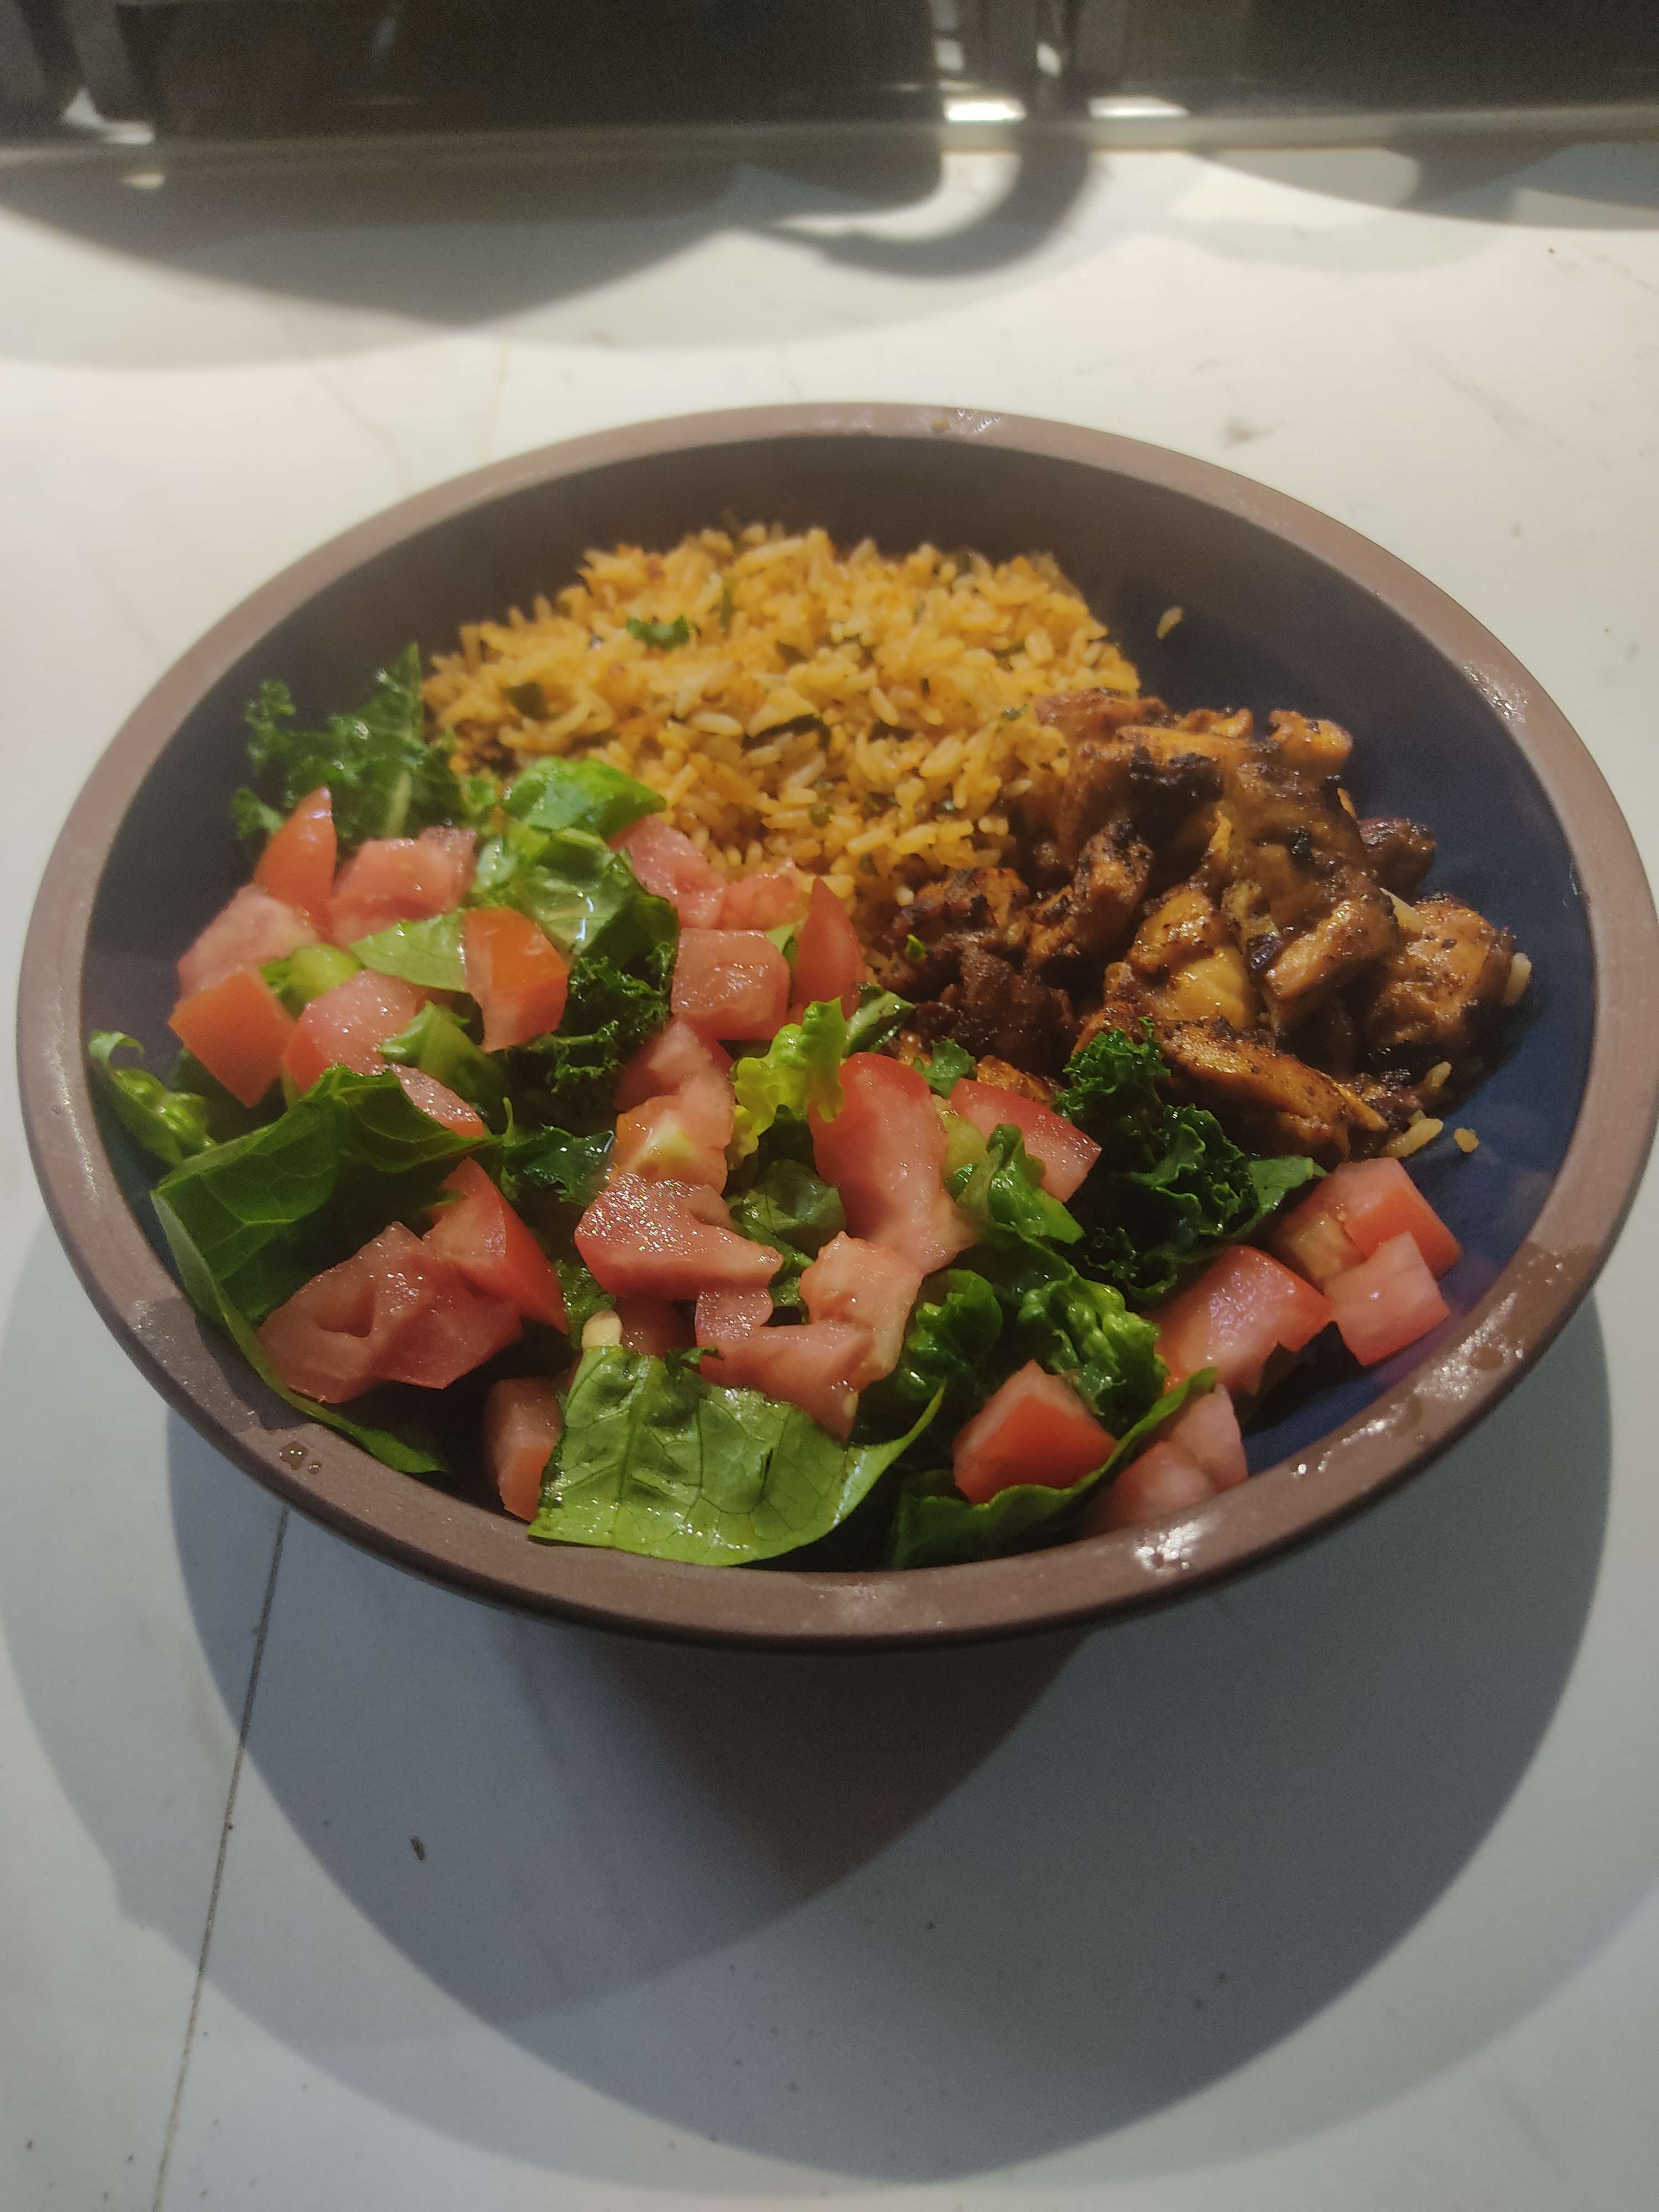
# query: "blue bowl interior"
{"type": "Point", "coordinates": [1265, 626]}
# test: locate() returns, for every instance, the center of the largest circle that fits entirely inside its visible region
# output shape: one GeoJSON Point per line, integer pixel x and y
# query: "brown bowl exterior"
{"type": "Point", "coordinates": [456, 1543]}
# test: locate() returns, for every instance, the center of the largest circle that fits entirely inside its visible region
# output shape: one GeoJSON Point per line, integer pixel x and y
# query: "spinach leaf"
{"type": "Point", "coordinates": [935, 1525]}
{"type": "Point", "coordinates": [437, 1044]}
{"type": "Point", "coordinates": [384, 779]}
{"type": "Point", "coordinates": [795, 1210]}
{"type": "Point", "coordinates": [678, 632]}
{"type": "Point", "coordinates": [579, 794]}
{"type": "Point", "coordinates": [426, 952]}
{"type": "Point", "coordinates": [1170, 1187]}
{"type": "Point", "coordinates": [569, 1167]}
{"type": "Point", "coordinates": [251, 1220]}
{"type": "Point", "coordinates": [998, 1184]}
{"type": "Point", "coordinates": [875, 1018]}
{"type": "Point", "coordinates": [947, 1067]}
{"type": "Point", "coordinates": [800, 1068]}
{"type": "Point", "coordinates": [171, 1125]}
{"type": "Point", "coordinates": [583, 1297]}
{"type": "Point", "coordinates": [654, 1460]}
{"type": "Point", "coordinates": [1084, 1333]}
{"type": "Point", "coordinates": [949, 1354]}
{"type": "Point", "coordinates": [583, 895]}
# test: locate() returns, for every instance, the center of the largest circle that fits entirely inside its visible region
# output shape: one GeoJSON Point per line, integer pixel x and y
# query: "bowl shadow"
{"type": "Point", "coordinates": [1071, 1880]}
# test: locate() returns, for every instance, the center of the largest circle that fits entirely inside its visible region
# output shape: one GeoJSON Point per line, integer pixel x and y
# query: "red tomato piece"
{"type": "Point", "coordinates": [1313, 1241]}
{"type": "Point", "coordinates": [884, 1153]}
{"type": "Point", "coordinates": [479, 1233]}
{"type": "Point", "coordinates": [670, 867]}
{"type": "Point", "coordinates": [438, 1100]}
{"type": "Point", "coordinates": [330, 1339]}
{"type": "Point", "coordinates": [809, 1364]}
{"type": "Point", "coordinates": [668, 1239]}
{"type": "Point", "coordinates": [523, 1421]}
{"type": "Point", "coordinates": [1386, 1302]}
{"type": "Point", "coordinates": [347, 1026]}
{"type": "Point", "coordinates": [254, 927]}
{"type": "Point", "coordinates": [1059, 1146]}
{"type": "Point", "coordinates": [873, 1287]}
{"type": "Point", "coordinates": [767, 899]}
{"type": "Point", "coordinates": [518, 975]}
{"type": "Point", "coordinates": [239, 1028]}
{"type": "Point", "coordinates": [1164, 1481]}
{"type": "Point", "coordinates": [726, 1317]}
{"type": "Point", "coordinates": [458, 1331]}
{"type": "Point", "coordinates": [731, 983]}
{"type": "Point", "coordinates": [829, 961]}
{"type": "Point", "coordinates": [1208, 1431]}
{"type": "Point", "coordinates": [654, 1325]}
{"type": "Point", "coordinates": [392, 879]}
{"type": "Point", "coordinates": [676, 1057]}
{"type": "Point", "coordinates": [1242, 1309]}
{"type": "Point", "coordinates": [1369, 1202]}
{"type": "Point", "coordinates": [1035, 1429]}
{"type": "Point", "coordinates": [670, 1138]}
{"type": "Point", "coordinates": [297, 866]}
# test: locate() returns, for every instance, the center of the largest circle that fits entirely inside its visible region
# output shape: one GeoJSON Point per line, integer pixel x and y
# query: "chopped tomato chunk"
{"type": "Point", "coordinates": [731, 983]}
{"type": "Point", "coordinates": [675, 1057]}
{"type": "Point", "coordinates": [884, 1153]}
{"type": "Point", "coordinates": [766, 900]}
{"type": "Point", "coordinates": [479, 1233]}
{"type": "Point", "coordinates": [1386, 1302]}
{"type": "Point", "coordinates": [394, 1312]}
{"type": "Point", "coordinates": [523, 1421]}
{"type": "Point", "coordinates": [668, 1239]}
{"type": "Point", "coordinates": [1035, 1429]}
{"type": "Point", "coordinates": [829, 961]}
{"type": "Point", "coordinates": [438, 1100]}
{"type": "Point", "coordinates": [1208, 1431]}
{"type": "Point", "coordinates": [1165, 1480]}
{"type": "Point", "coordinates": [726, 1317]}
{"type": "Point", "coordinates": [654, 1325]}
{"type": "Point", "coordinates": [670, 867]}
{"type": "Point", "coordinates": [809, 1364]}
{"type": "Point", "coordinates": [518, 975]}
{"type": "Point", "coordinates": [673, 1139]}
{"type": "Point", "coordinates": [297, 866]}
{"type": "Point", "coordinates": [1059, 1146]}
{"type": "Point", "coordinates": [253, 928]}
{"type": "Point", "coordinates": [347, 1026]}
{"type": "Point", "coordinates": [239, 1028]}
{"type": "Point", "coordinates": [1363, 1204]}
{"type": "Point", "coordinates": [393, 879]}
{"type": "Point", "coordinates": [873, 1287]}
{"type": "Point", "coordinates": [1242, 1309]}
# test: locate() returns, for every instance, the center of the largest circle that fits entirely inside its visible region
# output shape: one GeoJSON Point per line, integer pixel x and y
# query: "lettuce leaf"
{"type": "Point", "coordinates": [945, 1067]}
{"type": "Point", "coordinates": [795, 1210]}
{"type": "Point", "coordinates": [800, 1068]}
{"type": "Point", "coordinates": [568, 1167]}
{"type": "Point", "coordinates": [1170, 1187]}
{"type": "Point", "coordinates": [878, 1015]}
{"type": "Point", "coordinates": [935, 1525]}
{"type": "Point", "coordinates": [173, 1126]}
{"type": "Point", "coordinates": [579, 794]}
{"type": "Point", "coordinates": [949, 1354]}
{"type": "Point", "coordinates": [427, 952]}
{"type": "Point", "coordinates": [656, 1460]}
{"type": "Point", "coordinates": [384, 779]}
{"type": "Point", "coordinates": [583, 895]}
{"type": "Point", "coordinates": [436, 1043]}
{"type": "Point", "coordinates": [997, 1184]}
{"type": "Point", "coordinates": [1082, 1332]}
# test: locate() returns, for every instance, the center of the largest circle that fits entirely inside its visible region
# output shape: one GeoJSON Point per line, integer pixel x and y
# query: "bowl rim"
{"type": "Point", "coordinates": [421, 1527]}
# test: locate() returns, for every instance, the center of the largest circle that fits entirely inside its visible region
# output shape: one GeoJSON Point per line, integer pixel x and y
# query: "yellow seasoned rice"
{"type": "Point", "coordinates": [866, 717]}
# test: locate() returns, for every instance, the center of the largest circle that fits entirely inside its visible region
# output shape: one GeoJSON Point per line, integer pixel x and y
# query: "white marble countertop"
{"type": "Point", "coordinates": [1337, 1890]}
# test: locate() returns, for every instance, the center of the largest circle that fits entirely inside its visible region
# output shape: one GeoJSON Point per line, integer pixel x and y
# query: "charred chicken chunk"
{"type": "Point", "coordinates": [1268, 1100]}
{"type": "Point", "coordinates": [1399, 854]}
{"type": "Point", "coordinates": [998, 1010]}
{"type": "Point", "coordinates": [1187, 965]}
{"type": "Point", "coordinates": [1437, 995]}
{"type": "Point", "coordinates": [1093, 918]}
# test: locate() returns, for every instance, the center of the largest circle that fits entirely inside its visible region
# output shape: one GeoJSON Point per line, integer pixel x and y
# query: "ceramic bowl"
{"type": "Point", "coordinates": [1283, 607]}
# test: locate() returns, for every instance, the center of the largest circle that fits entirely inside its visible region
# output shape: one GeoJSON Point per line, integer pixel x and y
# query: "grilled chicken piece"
{"type": "Point", "coordinates": [1398, 853]}
{"type": "Point", "coordinates": [1269, 1101]}
{"type": "Point", "coordinates": [1315, 749]}
{"type": "Point", "coordinates": [1090, 920]}
{"type": "Point", "coordinates": [998, 1010]}
{"type": "Point", "coordinates": [984, 907]}
{"type": "Point", "coordinates": [1007, 1077]}
{"type": "Point", "coordinates": [1306, 908]}
{"type": "Point", "coordinates": [1438, 996]}
{"type": "Point", "coordinates": [1187, 964]}
{"type": "Point", "coordinates": [1082, 714]}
